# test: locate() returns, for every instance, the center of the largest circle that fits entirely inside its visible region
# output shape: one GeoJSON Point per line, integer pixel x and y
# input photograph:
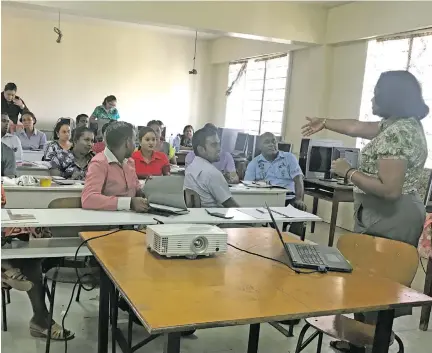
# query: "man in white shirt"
{"type": "Point", "coordinates": [203, 177]}
{"type": "Point", "coordinates": [12, 141]}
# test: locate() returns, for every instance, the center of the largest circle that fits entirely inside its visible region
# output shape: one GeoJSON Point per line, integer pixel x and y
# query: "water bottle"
{"type": "Point", "coordinates": [171, 140]}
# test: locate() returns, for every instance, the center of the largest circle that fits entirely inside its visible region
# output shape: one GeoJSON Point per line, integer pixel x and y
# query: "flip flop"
{"type": "Point", "coordinates": [56, 332]}
{"type": "Point", "coordinates": [15, 279]}
{"type": "Point", "coordinates": [341, 346]}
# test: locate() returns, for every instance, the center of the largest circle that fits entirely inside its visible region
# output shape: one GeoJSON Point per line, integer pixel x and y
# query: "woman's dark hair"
{"type": "Point", "coordinates": [398, 94]}
{"type": "Point", "coordinates": [10, 87]}
{"type": "Point", "coordinates": [79, 131]}
{"type": "Point", "coordinates": [155, 122]}
{"type": "Point", "coordinates": [80, 116]}
{"type": "Point", "coordinates": [109, 99]}
{"type": "Point", "coordinates": [210, 126]}
{"type": "Point", "coordinates": [188, 127]}
{"type": "Point", "coordinates": [144, 131]}
{"type": "Point", "coordinates": [57, 128]}
{"type": "Point", "coordinates": [31, 114]}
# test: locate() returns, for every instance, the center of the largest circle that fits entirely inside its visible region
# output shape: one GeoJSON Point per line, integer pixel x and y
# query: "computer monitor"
{"type": "Point", "coordinates": [305, 147]}
{"type": "Point", "coordinates": [319, 161]}
{"type": "Point", "coordinates": [284, 146]}
{"type": "Point", "coordinates": [228, 139]}
{"type": "Point", "coordinates": [241, 142]}
{"type": "Point", "coordinates": [351, 155]}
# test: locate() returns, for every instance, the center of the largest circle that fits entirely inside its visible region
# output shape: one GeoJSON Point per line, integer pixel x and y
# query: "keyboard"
{"type": "Point", "coordinates": [309, 255]}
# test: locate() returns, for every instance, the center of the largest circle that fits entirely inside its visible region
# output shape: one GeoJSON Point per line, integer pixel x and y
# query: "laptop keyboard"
{"type": "Point", "coordinates": [309, 255]}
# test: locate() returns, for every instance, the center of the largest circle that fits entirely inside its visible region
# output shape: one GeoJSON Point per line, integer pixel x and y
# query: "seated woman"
{"type": "Point", "coordinates": [162, 146]}
{"type": "Point", "coordinates": [30, 137]}
{"type": "Point", "coordinates": [148, 161]}
{"type": "Point", "coordinates": [73, 163]}
{"type": "Point", "coordinates": [62, 135]}
{"type": "Point", "coordinates": [107, 110]}
{"type": "Point", "coordinates": [186, 138]}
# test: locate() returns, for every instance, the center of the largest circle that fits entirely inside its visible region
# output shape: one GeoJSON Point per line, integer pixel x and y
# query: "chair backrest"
{"type": "Point", "coordinates": [380, 256]}
{"type": "Point", "coordinates": [192, 199]}
{"type": "Point", "coordinates": [66, 202]}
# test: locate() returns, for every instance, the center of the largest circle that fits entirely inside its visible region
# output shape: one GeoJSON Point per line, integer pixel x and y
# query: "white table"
{"type": "Point", "coordinates": [43, 248]}
{"type": "Point", "coordinates": [36, 170]}
{"type": "Point", "coordinates": [77, 217]}
{"type": "Point", "coordinates": [32, 156]}
{"type": "Point", "coordinates": [257, 197]}
{"type": "Point", "coordinates": [40, 197]}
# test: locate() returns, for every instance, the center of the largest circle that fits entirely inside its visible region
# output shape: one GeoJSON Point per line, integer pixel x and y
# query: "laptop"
{"type": "Point", "coordinates": [315, 257]}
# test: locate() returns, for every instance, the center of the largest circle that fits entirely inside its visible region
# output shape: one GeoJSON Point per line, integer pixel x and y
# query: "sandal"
{"type": "Point", "coordinates": [57, 333]}
{"type": "Point", "coordinates": [15, 279]}
{"type": "Point", "coordinates": [341, 346]}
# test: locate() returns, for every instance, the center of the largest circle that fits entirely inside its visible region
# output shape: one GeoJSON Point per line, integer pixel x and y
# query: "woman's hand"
{"type": "Point", "coordinates": [313, 126]}
{"type": "Point", "coordinates": [340, 167]}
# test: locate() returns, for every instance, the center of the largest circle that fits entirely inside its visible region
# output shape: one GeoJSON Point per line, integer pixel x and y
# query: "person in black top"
{"type": "Point", "coordinates": [8, 164]}
{"type": "Point", "coordinates": [11, 104]}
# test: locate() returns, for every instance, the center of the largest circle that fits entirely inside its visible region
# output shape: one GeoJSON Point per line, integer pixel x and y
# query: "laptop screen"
{"type": "Point", "coordinates": [277, 230]}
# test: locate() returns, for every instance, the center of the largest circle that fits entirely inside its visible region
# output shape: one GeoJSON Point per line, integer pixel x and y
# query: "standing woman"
{"type": "Point", "coordinates": [386, 202]}
{"type": "Point", "coordinates": [11, 104]}
{"type": "Point", "coordinates": [30, 137]}
{"type": "Point", "coordinates": [62, 136]}
{"type": "Point", "coordinates": [162, 146]}
{"type": "Point", "coordinates": [107, 110]}
{"type": "Point", "coordinates": [186, 138]}
{"type": "Point", "coordinates": [148, 161]}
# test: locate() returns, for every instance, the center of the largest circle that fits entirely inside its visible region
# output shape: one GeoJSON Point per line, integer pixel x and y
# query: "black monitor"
{"type": "Point", "coordinates": [284, 147]}
{"type": "Point", "coordinates": [320, 160]}
{"type": "Point", "coordinates": [241, 142]}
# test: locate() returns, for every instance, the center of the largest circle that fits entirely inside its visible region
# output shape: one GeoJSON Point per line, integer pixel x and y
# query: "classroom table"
{"type": "Point", "coordinates": [35, 170]}
{"type": "Point", "coordinates": [39, 197]}
{"type": "Point", "coordinates": [329, 191]}
{"type": "Point", "coordinates": [78, 217]}
{"type": "Point", "coordinates": [43, 248]}
{"type": "Point", "coordinates": [235, 288]}
{"type": "Point", "coordinates": [32, 156]}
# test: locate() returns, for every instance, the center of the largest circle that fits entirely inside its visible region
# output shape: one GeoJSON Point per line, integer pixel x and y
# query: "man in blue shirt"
{"type": "Point", "coordinates": [277, 168]}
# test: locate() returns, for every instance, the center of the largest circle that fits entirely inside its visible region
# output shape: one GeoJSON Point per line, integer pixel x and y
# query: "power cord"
{"type": "Point", "coordinates": [422, 265]}
{"type": "Point", "coordinates": [323, 270]}
{"type": "Point", "coordinates": [78, 281]}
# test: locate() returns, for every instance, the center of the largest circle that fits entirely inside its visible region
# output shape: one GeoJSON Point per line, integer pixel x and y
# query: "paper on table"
{"type": "Point", "coordinates": [256, 184]}
{"type": "Point", "coordinates": [292, 212]}
{"type": "Point", "coordinates": [258, 213]}
{"type": "Point", "coordinates": [10, 217]}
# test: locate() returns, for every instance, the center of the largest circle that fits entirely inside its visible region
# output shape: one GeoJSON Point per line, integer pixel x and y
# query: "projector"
{"type": "Point", "coordinates": [189, 240]}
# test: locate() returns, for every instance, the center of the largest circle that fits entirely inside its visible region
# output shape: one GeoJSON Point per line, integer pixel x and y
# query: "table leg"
{"type": "Point", "coordinates": [333, 219]}
{"type": "Point", "coordinates": [383, 331]}
{"type": "Point", "coordinates": [426, 309]}
{"type": "Point", "coordinates": [314, 211]}
{"type": "Point", "coordinates": [104, 297]}
{"type": "Point", "coordinates": [254, 332]}
{"type": "Point", "coordinates": [172, 342]}
{"type": "Point", "coordinates": [114, 316]}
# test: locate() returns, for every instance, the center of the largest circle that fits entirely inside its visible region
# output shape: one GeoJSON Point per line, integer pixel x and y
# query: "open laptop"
{"type": "Point", "coordinates": [315, 257]}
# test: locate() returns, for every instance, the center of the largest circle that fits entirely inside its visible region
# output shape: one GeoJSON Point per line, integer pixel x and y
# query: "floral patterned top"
{"type": "Point", "coordinates": [397, 139]}
{"type": "Point", "coordinates": [51, 150]}
{"type": "Point", "coordinates": [64, 161]}
{"type": "Point", "coordinates": [101, 113]}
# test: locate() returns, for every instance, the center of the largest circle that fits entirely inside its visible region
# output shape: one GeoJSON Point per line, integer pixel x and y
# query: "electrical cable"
{"type": "Point", "coordinates": [276, 260]}
{"type": "Point", "coordinates": [58, 31]}
{"type": "Point", "coordinates": [422, 265]}
{"type": "Point", "coordinates": [79, 278]}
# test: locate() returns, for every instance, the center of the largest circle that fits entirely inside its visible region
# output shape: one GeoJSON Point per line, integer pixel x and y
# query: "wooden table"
{"type": "Point", "coordinates": [174, 295]}
{"type": "Point", "coordinates": [329, 191]}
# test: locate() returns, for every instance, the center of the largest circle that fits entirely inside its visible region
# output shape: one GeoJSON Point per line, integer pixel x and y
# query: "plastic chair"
{"type": "Point", "coordinates": [66, 273]}
{"type": "Point", "coordinates": [192, 199]}
{"type": "Point", "coordinates": [386, 258]}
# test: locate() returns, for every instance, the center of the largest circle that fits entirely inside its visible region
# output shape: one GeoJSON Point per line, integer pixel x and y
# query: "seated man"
{"type": "Point", "coordinates": [111, 182]}
{"type": "Point", "coordinates": [277, 168]}
{"type": "Point", "coordinates": [10, 140]}
{"type": "Point", "coordinates": [73, 163]}
{"type": "Point", "coordinates": [225, 164]}
{"type": "Point", "coordinates": [202, 176]}
{"type": "Point", "coordinates": [8, 164]}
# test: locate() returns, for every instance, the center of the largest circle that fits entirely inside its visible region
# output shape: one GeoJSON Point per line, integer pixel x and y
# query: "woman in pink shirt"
{"type": "Point", "coordinates": [111, 182]}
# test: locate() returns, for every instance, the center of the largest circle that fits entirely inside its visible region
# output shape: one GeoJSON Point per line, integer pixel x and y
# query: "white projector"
{"type": "Point", "coordinates": [188, 240]}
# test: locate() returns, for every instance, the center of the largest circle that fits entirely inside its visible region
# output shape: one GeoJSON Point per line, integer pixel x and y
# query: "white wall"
{"type": "Point", "coordinates": [146, 70]}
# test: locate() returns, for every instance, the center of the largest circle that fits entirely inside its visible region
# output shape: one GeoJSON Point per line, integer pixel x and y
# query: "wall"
{"type": "Point", "coordinates": [367, 19]}
{"type": "Point", "coordinates": [326, 81]}
{"type": "Point", "coordinates": [146, 70]}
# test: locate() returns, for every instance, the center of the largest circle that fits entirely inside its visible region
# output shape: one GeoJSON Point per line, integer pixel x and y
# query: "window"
{"type": "Point", "coordinates": [412, 53]}
{"type": "Point", "coordinates": [257, 99]}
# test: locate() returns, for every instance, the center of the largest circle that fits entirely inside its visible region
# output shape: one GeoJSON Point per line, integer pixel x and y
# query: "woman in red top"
{"type": "Point", "coordinates": [148, 161]}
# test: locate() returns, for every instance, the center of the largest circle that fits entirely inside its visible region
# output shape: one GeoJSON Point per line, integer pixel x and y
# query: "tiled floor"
{"type": "Point", "coordinates": [83, 320]}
